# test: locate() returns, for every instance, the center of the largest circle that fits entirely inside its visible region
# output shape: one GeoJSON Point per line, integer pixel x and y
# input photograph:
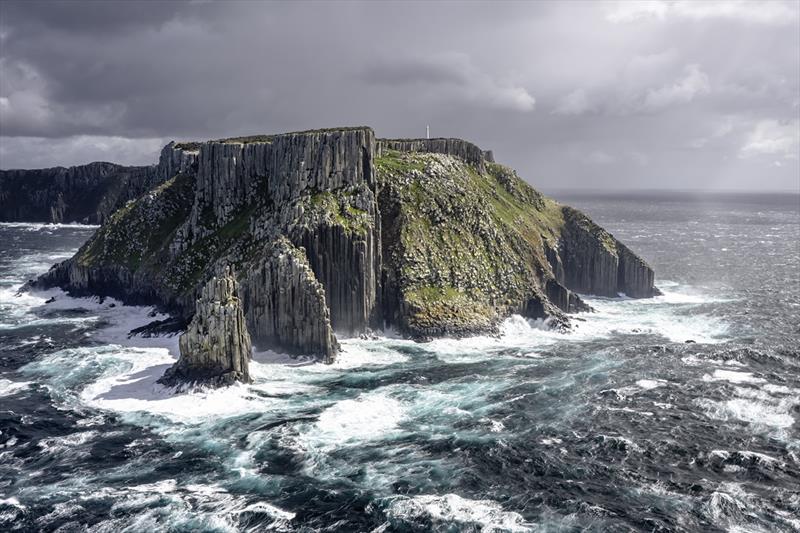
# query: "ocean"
{"type": "Point", "coordinates": [676, 413]}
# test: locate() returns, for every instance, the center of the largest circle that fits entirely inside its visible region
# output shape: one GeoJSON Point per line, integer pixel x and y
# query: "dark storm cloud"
{"type": "Point", "coordinates": [97, 17]}
{"type": "Point", "coordinates": [631, 94]}
{"type": "Point", "coordinates": [414, 71]}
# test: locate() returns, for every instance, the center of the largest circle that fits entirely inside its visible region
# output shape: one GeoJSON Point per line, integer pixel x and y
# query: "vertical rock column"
{"type": "Point", "coordinates": [594, 262]}
{"type": "Point", "coordinates": [286, 303]}
{"type": "Point", "coordinates": [216, 348]}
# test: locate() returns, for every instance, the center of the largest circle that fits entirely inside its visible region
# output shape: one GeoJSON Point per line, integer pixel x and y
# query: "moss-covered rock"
{"type": "Point", "coordinates": [462, 247]}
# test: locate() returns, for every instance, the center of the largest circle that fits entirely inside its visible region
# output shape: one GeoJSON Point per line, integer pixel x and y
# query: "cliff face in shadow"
{"type": "Point", "coordinates": [334, 231]}
{"type": "Point", "coordinates": [86, 194]}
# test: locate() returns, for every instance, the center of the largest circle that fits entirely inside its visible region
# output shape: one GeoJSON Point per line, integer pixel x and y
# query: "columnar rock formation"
{"type": "Point", "coordinates": [278, 169]}
{"type": "Point", "coordinates": [86, 194]}
{"type": "Point", "coordinates": [286, 304]}
{"type": "Point", "coordinates": [335, 231]}
{"type": "Point", "coordinates": [456, 147]}
{"type": "Point", "coordinates": [215, 349]}
{"type": "Point", "coordinates": [596, 263]}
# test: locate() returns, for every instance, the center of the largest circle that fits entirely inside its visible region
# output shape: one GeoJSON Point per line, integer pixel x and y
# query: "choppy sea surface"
{"type": "Point", "coordinates": [620, 425]}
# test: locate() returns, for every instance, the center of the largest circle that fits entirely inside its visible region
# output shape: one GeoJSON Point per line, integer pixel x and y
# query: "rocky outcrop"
{"type": "Point", "coordinates": [278, 169]}
{"type": "Point", "coordinates": [459, 148]}
{"type": "Point", "coordinates": [462, 249]}
{"type": "Point", "coordinates": [341, 237]}
{"type": "Point", "coordinates": [176, 159]}
{"type": "Point", "coordinates": [331, 231]}
{"type": "Point", "coordinates": [593, 262]}
{"type": "Point", "coordinates": [128, 257]}
{"type": "Point", "coordinates": [215, 349]}
{"type": "Point", "coordinates": [86, 194]}
{"type": "Point", "coordinates": [285, 303]}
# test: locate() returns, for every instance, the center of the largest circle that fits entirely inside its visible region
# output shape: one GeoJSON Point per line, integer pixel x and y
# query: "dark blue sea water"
{"type": "Point", "coordinates": [620, 425]}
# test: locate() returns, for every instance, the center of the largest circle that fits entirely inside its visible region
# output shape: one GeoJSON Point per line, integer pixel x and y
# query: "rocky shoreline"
{"type": "Point", "coordinates": [335, 231]}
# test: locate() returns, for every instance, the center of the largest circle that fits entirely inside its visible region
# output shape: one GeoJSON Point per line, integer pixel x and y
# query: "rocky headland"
{"type": "Point", "coordinates": [86, 194]}
{"type": "Point", "coordinates": [335, 232]}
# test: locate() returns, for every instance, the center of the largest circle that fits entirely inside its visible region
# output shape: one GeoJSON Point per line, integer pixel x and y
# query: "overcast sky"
{"type": "Point", "coordinates": [683, 95]}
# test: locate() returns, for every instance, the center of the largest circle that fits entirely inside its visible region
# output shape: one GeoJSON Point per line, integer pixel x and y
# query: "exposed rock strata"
{"type": "Point", "coordinates": [286, 304]}
{"type": "Point", "coordinates": [459, 148]}
{"type": "Point", "coordinates": [332, 230]}
{"type": "Point", "coordinates": [215, 349]}
{"type": "Point", "coordinates": [86, 194]}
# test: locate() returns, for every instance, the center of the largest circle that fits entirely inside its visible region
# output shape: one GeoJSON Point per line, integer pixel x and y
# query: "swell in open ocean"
{"type": "Point", "coordinates": [618, 425]}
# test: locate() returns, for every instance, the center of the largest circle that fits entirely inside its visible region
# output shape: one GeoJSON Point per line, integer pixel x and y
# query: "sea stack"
{"type": "Point", "coordinates": [216, 347]}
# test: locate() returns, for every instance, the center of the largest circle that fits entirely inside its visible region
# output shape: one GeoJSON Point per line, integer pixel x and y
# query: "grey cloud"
{"type": "Point", "coordinates": [451, 76]}
{"type": "Point", "coordinates": [747, 11]}
{"type": "Point", "coordinates": [99, 17]}
{"type": "Point", "coordinates": [405, 72]}
{"type": "Point", "coordinates": [560, 91]}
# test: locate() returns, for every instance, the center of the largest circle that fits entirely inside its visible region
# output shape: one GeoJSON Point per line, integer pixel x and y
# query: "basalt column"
{"type": "Point", "coordinates": [215, 349]}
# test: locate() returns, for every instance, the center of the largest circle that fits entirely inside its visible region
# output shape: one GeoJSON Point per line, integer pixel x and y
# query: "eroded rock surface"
{"type": "Point", "coordinates": [215, 349]}
{"type": "Point", "coordinates": [286, 304]}
{"type": "Point", "coordinates": [87, 194]}
{"type": "Point", "coordinates": [337, 231]}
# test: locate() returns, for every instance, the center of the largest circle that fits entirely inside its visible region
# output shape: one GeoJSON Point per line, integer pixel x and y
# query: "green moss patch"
{"type": "Point", "coordinates": [137, 232]}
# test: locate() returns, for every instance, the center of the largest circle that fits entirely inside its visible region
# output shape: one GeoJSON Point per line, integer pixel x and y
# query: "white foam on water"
{"type": "Point", "coordinates": [8, 387]}
{"type": "Point", "coordinates": [551, 441]}
{"type": "Point", "coordinates": [761, 458]}
{"type": "Point", "coordinates": [649, 384]}
{"type": "Point", "coordinates": [137, 392]}
{"type": "Point", "coordinates": [357, 353]}
{"type": "Point", "coordinates": [378, 417]}
{"type": "Point", "coordinates": [17, 308]}
{"type": "Point", "coordinates": [160, 487]}
{"type": "Point", "coordinates": [631, 410]}
{"type": "Point", "coordinates": [723, 507]}
{"type": "Point", "coordinates": [668, 315]}
{"type": "Point", "coordinates": [39, 226]}
{"type": "Point", "coordinates": [496, 426]}
{"type": "Point", "coordinates": [72, 443]}
{"type": "Point", "coordinates": [169, 505]}
{"type": "Point", "coordinates": [13, 502]}
{"type": "Point", "coordinates": [757, 413]}
{"type": "Point", "coordinates": [779, 390]}
{"type": "Point", "coordinates": [269, 509]}
{"type": "Point", "coordinates": [452, 509]}
{"type": "Point", "coordinates": [722, 454]}
{"type": "Point", "coordinates": [757, 457]}
{"type": "Point", "coordinates": [623, 442]}
{"type": "Point", "coordinates": [733, 377]}
{"type": "Point", "coordinates": [371, 416]}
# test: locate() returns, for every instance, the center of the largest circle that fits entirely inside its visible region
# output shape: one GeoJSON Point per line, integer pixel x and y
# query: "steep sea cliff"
{"type": "Point", "coordinates": [337, 231]}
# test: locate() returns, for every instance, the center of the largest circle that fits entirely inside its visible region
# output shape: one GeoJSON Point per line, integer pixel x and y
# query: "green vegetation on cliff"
{"type": "Point", "coordinates": [138, 231]}
{"type": "Point", "coordinates": [337, 208]}
{"type": "Point", "coordinates": [464, 246]}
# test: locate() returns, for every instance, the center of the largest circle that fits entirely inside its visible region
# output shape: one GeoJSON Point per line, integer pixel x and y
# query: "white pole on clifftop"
{"type": "Point", "coordinates": [427, 132]}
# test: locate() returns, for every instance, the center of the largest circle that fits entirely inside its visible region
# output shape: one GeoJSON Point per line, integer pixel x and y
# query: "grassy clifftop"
{"type": "Point", "coordinates": [462, 247]}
